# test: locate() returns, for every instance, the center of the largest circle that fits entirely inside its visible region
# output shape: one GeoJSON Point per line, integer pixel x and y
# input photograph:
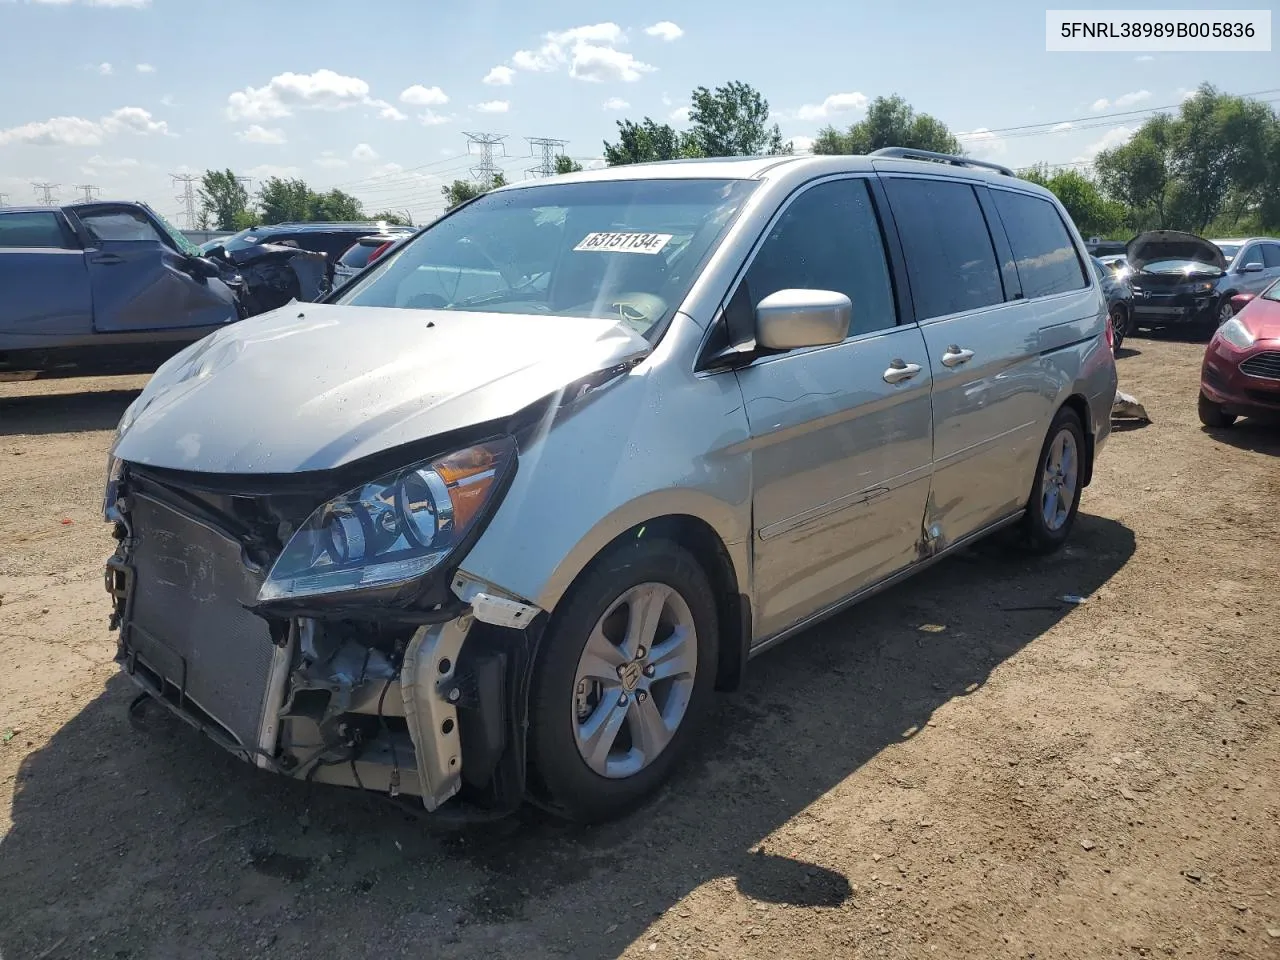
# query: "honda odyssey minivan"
{"type": "Point", "coordinates": [495, 521]}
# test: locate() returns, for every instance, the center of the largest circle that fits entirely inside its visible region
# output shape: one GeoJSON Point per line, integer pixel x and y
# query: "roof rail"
{"type": "Point", "coordinates": [906, 153]}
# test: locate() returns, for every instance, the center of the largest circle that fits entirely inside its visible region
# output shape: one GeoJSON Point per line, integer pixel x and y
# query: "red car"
{"type": "Point", "coordinates": [1240, 376]}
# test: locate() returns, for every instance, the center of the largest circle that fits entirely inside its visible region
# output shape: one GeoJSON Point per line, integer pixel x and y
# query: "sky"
{"type": "Point", "coordinates": [377, 99]}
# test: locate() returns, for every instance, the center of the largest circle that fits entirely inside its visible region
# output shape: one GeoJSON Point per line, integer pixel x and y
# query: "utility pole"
{"type": "Point", "coordinates": [89, 190]}
{"type": "Point", "coordinates": [188, 196]}
{"type": "Point", "coordinates": [3, 197]}
{"type": "Point", "coordinates": [485, 171]}
{"type": "Point", "coordinates": [44, 191]}
{"type": "Point", "coordinates": [550, 150]}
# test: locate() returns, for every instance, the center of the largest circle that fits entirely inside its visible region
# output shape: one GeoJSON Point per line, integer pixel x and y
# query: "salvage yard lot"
{"type": "Point", "coordinates": [962, 767]}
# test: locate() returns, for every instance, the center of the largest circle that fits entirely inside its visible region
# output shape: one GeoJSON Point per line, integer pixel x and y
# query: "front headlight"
{"type": "Point", "coordinates": [1202, 287]}
{"type": "Point", "coordinates": [394, 530]}
{"type": "Point", "coordinates": [1236, 334]}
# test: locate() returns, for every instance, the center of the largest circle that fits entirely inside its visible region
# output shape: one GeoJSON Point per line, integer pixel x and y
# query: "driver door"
{"type": "Point", "coordinates": [140, 282]}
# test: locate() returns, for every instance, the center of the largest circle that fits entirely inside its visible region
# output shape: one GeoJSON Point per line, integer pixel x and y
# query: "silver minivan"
{"type": "Point", "coordinates": [494, 522]}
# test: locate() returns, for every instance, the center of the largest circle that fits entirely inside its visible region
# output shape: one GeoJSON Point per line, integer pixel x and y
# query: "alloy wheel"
{"type": "Point", "coordinates": [1058, 489]}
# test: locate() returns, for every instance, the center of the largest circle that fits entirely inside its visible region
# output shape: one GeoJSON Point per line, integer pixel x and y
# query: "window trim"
{"type": "Point", "coordinates": [1090, 280]}
{"type": "Point", "coordinates": [900, 292]}
{"type": "Point", "coordinates": [978, 186]}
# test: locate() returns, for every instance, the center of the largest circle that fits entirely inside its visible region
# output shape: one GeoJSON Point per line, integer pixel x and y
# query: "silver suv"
{"type": "Point", "coordinates": [495, 521]}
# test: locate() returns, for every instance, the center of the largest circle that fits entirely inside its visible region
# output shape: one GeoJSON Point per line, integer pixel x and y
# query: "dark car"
{"type": "Point", "coordinates": [1240, 375]}
{"type": "Point", "coordinates": [113, 287]}
{"type": "Point", "coordinates": [1119, 301]}
{"type": "Point", "coordinates": [1180, 279]}
{"type": "Point", "coordinates": [333, 239]}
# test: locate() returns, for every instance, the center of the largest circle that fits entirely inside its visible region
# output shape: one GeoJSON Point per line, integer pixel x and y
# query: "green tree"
{"type": "Point", "coordinates": [224, 201]}
{"type": "Point", "coordinates": [733, 121]}
{"type": "Point", "coordinates": [890, 122]}
{"type": "Point", "coordinates": [285, 201]}
{"type": "Point", "coordinates": [460, 191]}
{"type": "Point", "coordinates": [334, 205]}
{"type": "Point", "coordinates": [1137, 174]}
{"type": "Point", "coordinates": [1093, 213]}
{"type": "Point", "coordinates": [567, 165]}
{"type": "Point", "coordinates": [646, 142]}
{"type": "Point", "coordinates": [394, 219]}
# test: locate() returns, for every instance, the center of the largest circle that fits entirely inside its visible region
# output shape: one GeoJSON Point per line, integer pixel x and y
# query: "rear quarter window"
{"type": "Point", "coordinates": [358, 255]}
{"type": "Point", "coordinates": [31, 230]}
{"type": "Point", "coordinates": [1046, 258]}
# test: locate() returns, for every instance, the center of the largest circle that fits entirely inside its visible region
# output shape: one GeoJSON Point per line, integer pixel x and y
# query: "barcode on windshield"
{"type": "Point", "coordinates": [624, 242]}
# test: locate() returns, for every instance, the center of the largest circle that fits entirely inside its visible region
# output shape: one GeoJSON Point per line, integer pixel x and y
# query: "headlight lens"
{"type": "Point", "coordinates": [1201, 287]}
{"type": "Point", "coordinates": [1236, 334]}
{"type": "Point", "coordinates": [392, 531]}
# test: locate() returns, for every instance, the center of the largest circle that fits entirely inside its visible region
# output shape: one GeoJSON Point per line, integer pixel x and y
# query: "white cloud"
{"type": "Point", "coordinates": [1185, 95]}
{"type": "Point", "coordinates": [330, 160]}
{"type": "Point", "coordinates": [1115, 137]}
{"type": "Point", "coordinates": [1129, 99]}
{"type": "Point", "coordinates": [1062, 127]}
{"type": "Point", "coordinates": [259, 134]}
{"type": "Point", "coordinates": [432, 119]}
{"type": "Point", "coordinates": [388, 112]}
{"type": "Point", "coordinates": [679, 115]}
{"type": "Point", "coordinates": [286, 92]}
{"type": "Point", "coordinates": [604, 64]}
{"type": "Point", "coordinates": [1145, 58]}
{"type": "Point", "coordinates": [421, 96]}
{"type": "Point", "coordinates": [589, 52]}
{"type": "Point", "coordinates": [144, 68]}
{"type": "Point", "coordinates": [499, 76]}
{"type": "Point", "coordinates": [665, 29]}
{"type": "Point", "coordinates": [265, 171]}
{"type": "Point", "coordinates": [836, 103]}
{"type": "Point", "coordinates": [982, 143]}
{"type": "Point", "coordinates": [493, 106]}
{"type": "Point", "coordinates": [55, 132]}
{"type": "Point", "coordinates": [99, 162]}
{"type": "Point", "coordinates": [1100, 104]}
{"type": "Point", "coordinates": [384, 169]}
{"type": "Point", "coordinates": [134, 120]}
{"type": "Point", "coordinates": [364, 152]}
{"type": "Point", "coordinates": [106, 69]}
{"type": "Point", "coordinates": [802, 144]}
{"type": "Point", "coordinates": [167, 100]}
{"type": "Point", "coordinates": [616, 103]}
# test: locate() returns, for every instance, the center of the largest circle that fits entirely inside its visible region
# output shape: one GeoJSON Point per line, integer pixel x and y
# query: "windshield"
{"type": "Point", "coordinates": [626, 250]}
{"type": "Point", "coordinates": [1229, 250]}
{"type": "Point", "coordinates": [184, 245]}
{"type": "Point", "coordinates": [1180, 266]}
{"type": "Point", "coordinates": [1272, 292]}
{"type": "Point", "coordinates": [358, 253]}
{"type": "Point", "coordinates": [242, 240]}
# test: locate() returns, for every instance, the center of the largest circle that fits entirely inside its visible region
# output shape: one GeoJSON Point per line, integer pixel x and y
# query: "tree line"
{"type": "Point", "coordinates": [226, 204]}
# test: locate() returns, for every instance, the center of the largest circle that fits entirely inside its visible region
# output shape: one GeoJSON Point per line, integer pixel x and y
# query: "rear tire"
{"type": "Point", "coordinates": [1119, 326]}
{"type": "Point", "coordinates": [595, 633]}
{"type": "Point", "coordinates": [1214, 414]}
{"type": "Point", "coordinates": [1055, 495]}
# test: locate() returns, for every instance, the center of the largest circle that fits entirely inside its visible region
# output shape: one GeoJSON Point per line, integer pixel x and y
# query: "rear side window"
{"type": "Point", "coordinates": [120, 225]}
{"type": "Point", "coordinates": [1042, 249]}
{"type": "Point", "coordinates": [1271, 254]}
{"type": "Point", "coordinates": [30, 230]}
{"type": "Point", "coordinates": [950, 260]}
{"type": "Point", "coordinates": [829, 239]}
{"type": "Point", "coordinates": [358, 254]}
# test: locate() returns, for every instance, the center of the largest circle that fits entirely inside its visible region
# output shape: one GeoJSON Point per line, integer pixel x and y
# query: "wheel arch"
{"type": "Point", "coordinates": [1077, 403]}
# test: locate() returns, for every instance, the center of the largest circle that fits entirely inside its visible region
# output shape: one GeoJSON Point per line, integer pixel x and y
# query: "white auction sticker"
{"type": "Point", "coordinates": [1158, 31]}
{"type": "Point", "coordinates": [624, 242]}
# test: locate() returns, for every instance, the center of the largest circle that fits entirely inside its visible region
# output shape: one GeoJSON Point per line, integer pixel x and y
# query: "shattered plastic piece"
{"type": "Point", "coordinates": [1126, 407]}
{"type": "Point", "coordinates": [1072, 598]}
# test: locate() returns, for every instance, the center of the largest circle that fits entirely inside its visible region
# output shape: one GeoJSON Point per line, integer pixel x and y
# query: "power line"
{"type": "Point", "coordinates": [486, 170]}
{"type": "Point", "coordinates": [550, 150]}
{"type": "Point", "coordinates": [45, 192]}
{"type": "Point", "coordinates": [390, 177]}
{"type": "Point", "coordinates": [88, 189]}
{"type": "Point", "coordinates": [188, 196]}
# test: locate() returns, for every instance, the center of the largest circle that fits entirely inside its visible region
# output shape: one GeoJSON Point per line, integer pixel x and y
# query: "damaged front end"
{"type": "Point", "coordinates": [267, 276]}
{"type": "Point", "coordinates": [330, 636]}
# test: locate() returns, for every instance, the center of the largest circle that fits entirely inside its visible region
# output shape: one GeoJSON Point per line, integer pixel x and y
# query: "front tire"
{"type": "Point", "coordinates": [1214, 415]}
{"type": "Point", "coordinates": [1055, 495]}
{"type": "Point", "coordinates": [624, 677]}
{"type": "Point", "coordinates": [1119, 327]}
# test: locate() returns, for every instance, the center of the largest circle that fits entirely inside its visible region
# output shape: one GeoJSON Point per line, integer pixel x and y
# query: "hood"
{"type": "Point", "coordinates": [1156, 245]}
{"type": "Point", "coordinates": [317, 386]}
{"type": "Point", "coordinates": [1261, 317]}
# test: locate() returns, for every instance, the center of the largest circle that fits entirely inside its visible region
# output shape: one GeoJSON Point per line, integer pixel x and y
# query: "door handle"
{"type": "Point", "coordinates": [954, 356]}
{"type": "Point", "coordinates": [108, 259]}
{"type": "Point", "coordinates": [899, 371]}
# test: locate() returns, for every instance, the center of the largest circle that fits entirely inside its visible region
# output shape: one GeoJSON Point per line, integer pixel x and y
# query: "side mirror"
{"type": "Point", "coordinates": [203, 268]}
{"type": "Point", "coordinates": [1252, 267]}
{"type": "Point", "coordinates": [793, 319]}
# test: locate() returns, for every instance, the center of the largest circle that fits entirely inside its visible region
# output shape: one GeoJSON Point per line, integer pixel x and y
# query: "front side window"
{"type": "Point", "coordinates": [829, 238]}
{"type": "Point", "coordinates": [120, 225]}
{"type": "Point", "coordinates": [1046, 258]}
{"type": "Point", "coordinates": [1271, 255]}
{"type": "Point", "coordinates": [950, 260]}
{"type": "Point", "coordinates": [39, 230]}
{"type": "Point", "coordinates": [1250, 254]}
{"type": "Point", "coordinates": [626, 250]}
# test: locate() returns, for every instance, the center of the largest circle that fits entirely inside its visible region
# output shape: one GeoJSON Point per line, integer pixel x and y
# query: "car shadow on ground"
{"type": "Point", "coordinates": [42, 413]}
{"type": "Point", "coordinates": [1259, 434]}
{"type": "Point", "coordinates": [156, 844]}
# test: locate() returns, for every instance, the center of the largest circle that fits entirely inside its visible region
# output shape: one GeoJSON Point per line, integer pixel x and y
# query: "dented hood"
{"type": "Point", "coordinates": [1156, 245]}
{"type": "Point", "coordinates": [315, 386]}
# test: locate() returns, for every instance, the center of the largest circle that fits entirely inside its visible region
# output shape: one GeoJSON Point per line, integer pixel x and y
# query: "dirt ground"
{"type": "Point", "coordinates": [963, 767]}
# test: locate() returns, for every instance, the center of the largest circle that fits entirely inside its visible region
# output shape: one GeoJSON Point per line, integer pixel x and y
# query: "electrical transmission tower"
{"type": "Point", "coordinates": [486, 170]}
{"type": "Point", "coordinates": [88, 189]}
{"type": "Point", "coordinates": [45, 192]}
{"type": "Point", "coordinates": [550, 150]}
{"type": "Point", "coordinates": [188, 196]}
